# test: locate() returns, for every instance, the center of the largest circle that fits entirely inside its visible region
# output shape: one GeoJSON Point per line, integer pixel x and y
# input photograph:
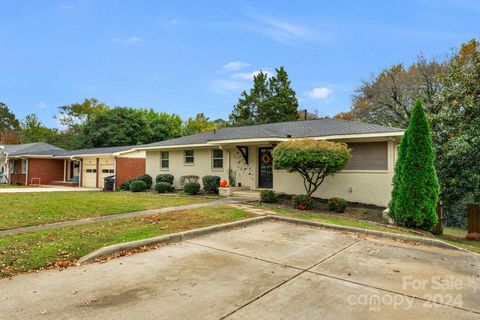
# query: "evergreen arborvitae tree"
{"type": "Point", "coordinates": [415, 185]}
{"type": "Point", "coordinates": [270, 100]}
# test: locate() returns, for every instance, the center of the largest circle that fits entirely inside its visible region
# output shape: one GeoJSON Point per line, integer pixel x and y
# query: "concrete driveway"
{"type": "Point", "coordinates": [272, 270]}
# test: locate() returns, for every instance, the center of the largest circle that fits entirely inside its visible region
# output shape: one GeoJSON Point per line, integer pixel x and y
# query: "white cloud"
{"type": "Point", "coordinates": [235, 66]}
{"type": "Point", "coordinates": [129, 40]}
{"type": "Point", "coordinates": [319, 93]}
{"type": "Point", "coordinates": [282, 31]}
{"type": "Point", "coordinates": [249, 75]}
{"type": "Point", "coordinates": [42, 105]}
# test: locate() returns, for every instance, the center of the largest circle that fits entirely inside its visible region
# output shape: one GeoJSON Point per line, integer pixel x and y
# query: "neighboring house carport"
{"type": "Point", "coordinates": [98, 163]}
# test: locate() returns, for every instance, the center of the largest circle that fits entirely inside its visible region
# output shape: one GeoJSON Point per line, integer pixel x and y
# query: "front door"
{"type": "Point", "coordinates": [265, 168]}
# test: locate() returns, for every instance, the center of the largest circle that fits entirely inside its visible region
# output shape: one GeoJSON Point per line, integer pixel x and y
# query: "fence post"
{"type": "Point", "coordinates": [473, 221]}
{"type": "Point", "coordinates": [438, 228]}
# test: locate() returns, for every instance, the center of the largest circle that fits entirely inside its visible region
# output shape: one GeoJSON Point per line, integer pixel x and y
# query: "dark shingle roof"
{"type": "Point", "coordinates": [40, 148]}
{"type": "Point", "coordinates": [295, 129]}
{"type": "Point", "coordinates": [105, 150]}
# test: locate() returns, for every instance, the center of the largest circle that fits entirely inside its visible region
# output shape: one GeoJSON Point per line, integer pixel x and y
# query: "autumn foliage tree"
{"type": "Point", "coordinates": [313, 160]}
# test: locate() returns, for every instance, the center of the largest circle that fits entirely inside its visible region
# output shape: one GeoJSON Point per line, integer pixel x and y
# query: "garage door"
{"type": "Point", "coordinates": [89, 173]}
{"type": "Point", "coordinates": [106, 168]}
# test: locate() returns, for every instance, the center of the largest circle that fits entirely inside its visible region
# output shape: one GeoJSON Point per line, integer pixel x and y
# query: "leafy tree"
{"type": "Point", "coordinates": [415, 186]}
{"type": "Point", "coordinates": [313, 160]}
{"type": "Point", "coordinates": [269, 100]}
{"type": "Point", "coordinates": [199, 124]}
{"type": "Point", "coordinates": [456, 133]}
{"type": "Point", "coordinates": [33, 130]}
{"type": "Point", "coordinates": [163, 126]}
{"type": "Point", "coordinates": [120, 126]}
{"type": "Point", "coordinates": [76, 116]}
{"type": "Point", "coordinates": [388, 98]}
{"type": "Point", "coordinates": [8, 121]}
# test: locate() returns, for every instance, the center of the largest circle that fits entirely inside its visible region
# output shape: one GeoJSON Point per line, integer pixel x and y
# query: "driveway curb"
{"type": "Point", "coordinates": [167, 239]}
{"type": "Point", "coordinates": [376, 233]}
{"type": "Point", "coordinates": [181, 236]}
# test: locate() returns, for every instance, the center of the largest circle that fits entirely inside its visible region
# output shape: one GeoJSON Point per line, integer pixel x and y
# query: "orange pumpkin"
{"type": "Point", "coordinates": [223, 183]}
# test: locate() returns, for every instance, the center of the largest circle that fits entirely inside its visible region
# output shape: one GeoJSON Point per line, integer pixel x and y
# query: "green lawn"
{"type": "Point", "coordinates": [28, 209]}
{"type": "Point", "coordinates": [36, 250]}
{"type": "Point", "coordinates": [451, 235]}
{"type": "Point", "coordinates": [13, 186]}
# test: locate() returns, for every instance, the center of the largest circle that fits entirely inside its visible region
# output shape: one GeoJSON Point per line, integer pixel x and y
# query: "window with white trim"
{"type": "Point", "coordinates": [24, 166]}
{"type": "Point", "coordinates": [217, 159]}
{"type": "Point", "coordinates": [189, 157]}
{"type": "Point", "coordinates": [164, 159]}
{"type": "Point", "coordinates": [12, 166]}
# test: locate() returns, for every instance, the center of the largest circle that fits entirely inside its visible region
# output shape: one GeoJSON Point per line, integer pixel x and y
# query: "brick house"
{"type": "Point", "coordinates": [30, 164]}
{"type": "Point", "coordinates": [43, 164]}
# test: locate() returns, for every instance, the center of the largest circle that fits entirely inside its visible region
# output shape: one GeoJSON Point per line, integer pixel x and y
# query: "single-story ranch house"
{"type": "Point", "coordinates": [42, 164]}
{"type": "Point", "coordinates": [243, 155]}
{"type": "Point", "coordinates": [18, 161]}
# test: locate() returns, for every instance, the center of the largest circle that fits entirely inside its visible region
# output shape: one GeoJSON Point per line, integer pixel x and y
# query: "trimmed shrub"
{"type": "Point", "coordinates": [268, 196]}
{"type": "Point", "coordinates": [337, 204]}
{"type": "Point", "coordinates": [313, 160]}
{"type": "Point", "coordinates": [125, 185]}
{"type": "Point", "coordinates": [163, 187]}
{"type": "Point", "coordinates": [164, 177]}
{"type": "Point", "coordinates": [147, 179]}
{"type": "Point", "coordinates": [186, 179]}
{"type": "Point", "coordinates": [137, 186]}
{"type": "Point", "coordinates": [191, 187]}
{"type": "Point", "coordinates": [211, 183]}
{"type": "Point", "coordinates": [303, 202]}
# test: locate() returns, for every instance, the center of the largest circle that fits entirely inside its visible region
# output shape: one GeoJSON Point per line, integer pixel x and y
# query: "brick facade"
{"type": "Point", "coordinates": [44, 171]}
{"type": "Point", "coordinates": [129, 168]}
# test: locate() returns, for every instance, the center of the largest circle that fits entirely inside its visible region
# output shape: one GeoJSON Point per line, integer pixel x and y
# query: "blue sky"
{"type": "Point", "coordinates": [187, 57]}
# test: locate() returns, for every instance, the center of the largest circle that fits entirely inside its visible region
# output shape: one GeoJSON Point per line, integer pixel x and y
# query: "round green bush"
{"type": "Point", "coordinates": [137, 186]}
{"type": "Point", "coordinates": [163, 187]}
{"type": "Point", "coordinates": [268, 196]}
{"type": "Point", "coordinates": [337, 204]}
{"type": "Point", "coordinates": [164, 177]}
{"type": "Point", "coordinates": [125, 185]}
{"type": "Point", "coordinates": [191, 188]}
{"type": "Point", "coordinates": [211, 183]}
{"type": "Point", "coordinates": [147, 179]}
{"type": "Point", "coordinates": [303, 202]}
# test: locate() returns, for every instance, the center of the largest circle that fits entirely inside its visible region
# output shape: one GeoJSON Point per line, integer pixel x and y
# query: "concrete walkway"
{"type": "Point", "coordinates": [112, 217]}
{"type": "Point", "coordinates": [45, 189]}
{"type": "Point", "coordinates": [272, 270]}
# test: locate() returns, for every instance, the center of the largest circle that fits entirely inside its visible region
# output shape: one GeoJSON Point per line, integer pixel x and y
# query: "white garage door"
{"type": "Point", "coordinates": [89, 173]}
{"type": "Point", "coordinates": [106, 169]}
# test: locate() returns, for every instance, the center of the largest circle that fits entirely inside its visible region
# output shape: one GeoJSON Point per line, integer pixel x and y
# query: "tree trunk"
{"type": "Point", "coordinates": [438, 228]}
{"type": "Point", "coordinates": [473, 221]}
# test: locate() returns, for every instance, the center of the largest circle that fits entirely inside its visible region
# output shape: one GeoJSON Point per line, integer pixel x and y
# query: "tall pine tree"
{"type": "Point", "coordinates": [415, 184]}
{"type": "Point", "coordinates": [270, 100]}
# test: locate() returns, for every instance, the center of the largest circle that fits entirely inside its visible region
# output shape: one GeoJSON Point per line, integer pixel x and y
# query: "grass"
{"type": "Point", "coordinates": [453, 236]}
{"type": "Point", "coordinates": [36, 250]}
{"type": "Point", "coordinates": [28, 209]}
{"type": "Point", "coordinates": [456, 237]}
{"type": "Point", "coordinates": [13, 186]}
